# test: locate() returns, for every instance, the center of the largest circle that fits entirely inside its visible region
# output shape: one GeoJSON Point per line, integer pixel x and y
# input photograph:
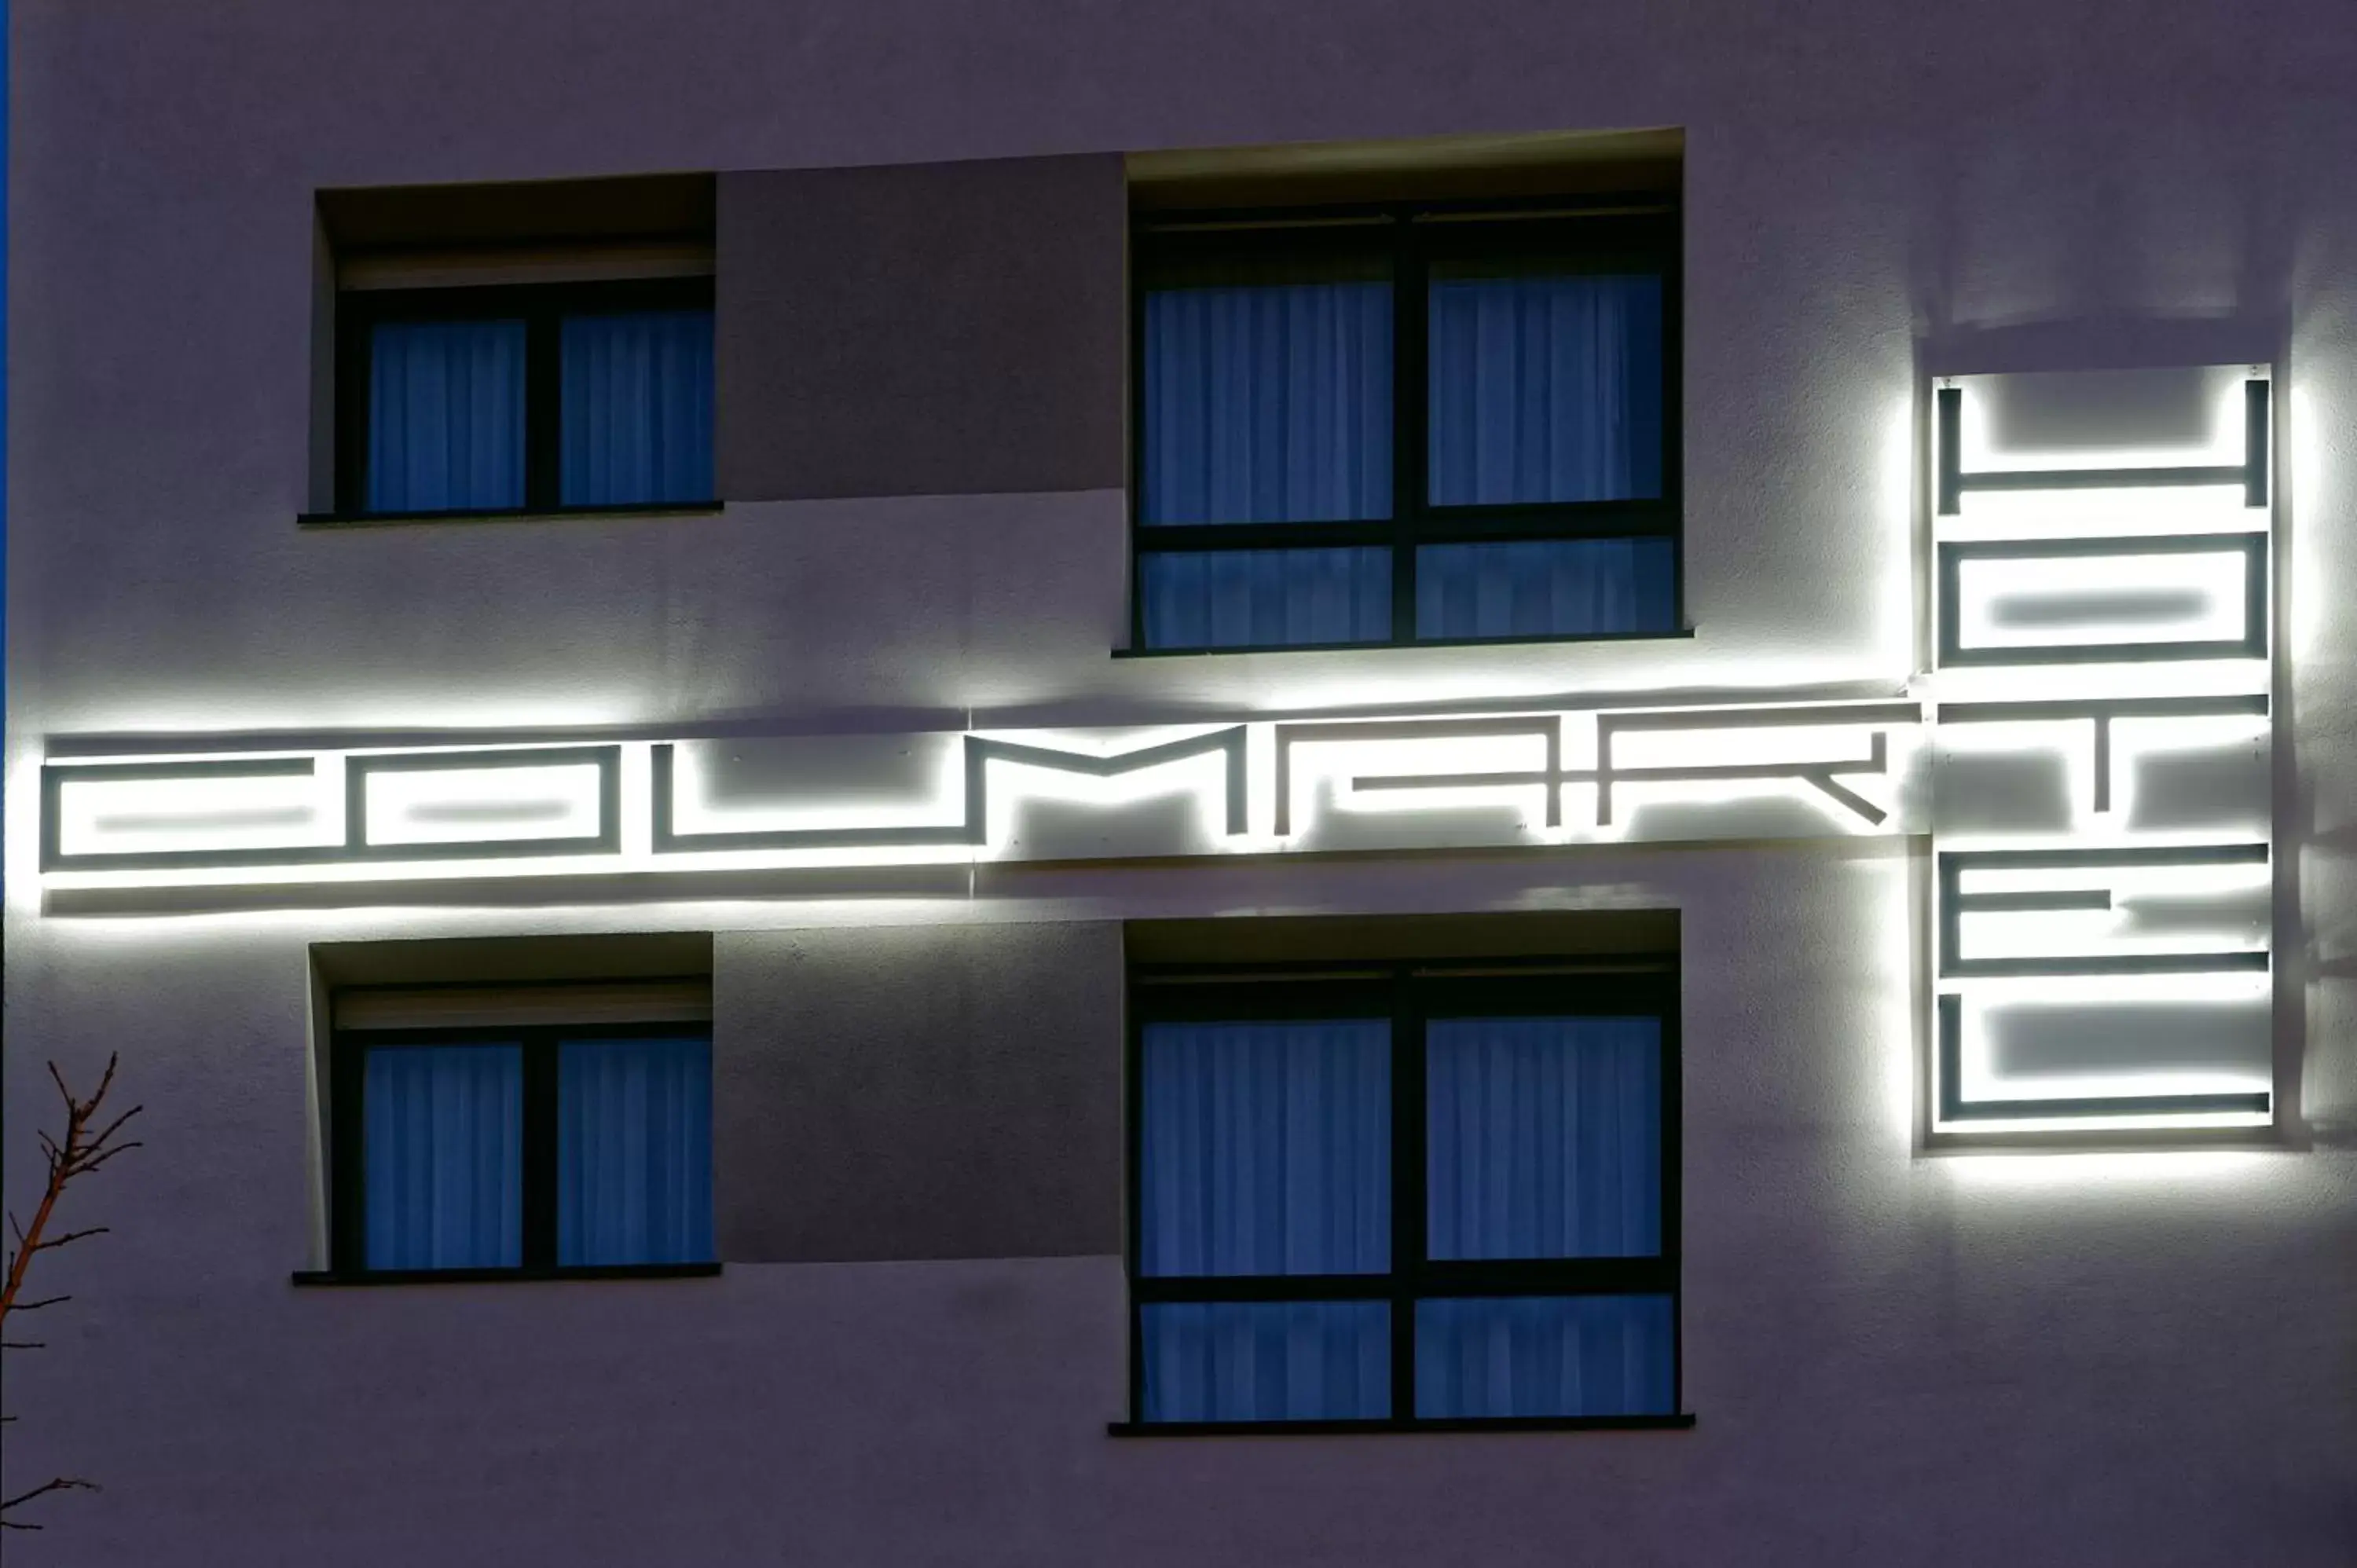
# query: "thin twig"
{"type": "Point", "coordinates": [81, 1153]}
{"type": "Point", "coordinates": [92, 1161]}
{"type": "Point", "coordinates": [55, 1484]}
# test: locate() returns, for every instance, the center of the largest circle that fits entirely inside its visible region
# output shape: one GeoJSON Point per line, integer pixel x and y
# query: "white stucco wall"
{"type": "Point", "coordinates": [2146, 1358]}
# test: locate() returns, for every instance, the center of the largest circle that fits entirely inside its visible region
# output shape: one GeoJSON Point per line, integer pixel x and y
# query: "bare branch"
{"type": "Point", "coordinates": [114, 1126]}
{"type": "Point", "coordinates": [78, 1153]}
{"type": "Point", "coordinates": [91, 1162]}
{"type": "Point", "coordinates": [55, 1484]}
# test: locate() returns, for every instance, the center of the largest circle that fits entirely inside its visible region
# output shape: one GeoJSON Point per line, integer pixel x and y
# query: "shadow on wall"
{"type": "Point", "coordinates": [2323, 956]}
{"type": "Point", "coordinates": [2124, 246]}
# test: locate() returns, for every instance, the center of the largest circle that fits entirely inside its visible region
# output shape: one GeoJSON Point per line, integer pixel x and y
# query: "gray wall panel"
{"type": "Point", "coordinates": [927, 329]}
{"type": "Point", "coordinates": [917, 1092]}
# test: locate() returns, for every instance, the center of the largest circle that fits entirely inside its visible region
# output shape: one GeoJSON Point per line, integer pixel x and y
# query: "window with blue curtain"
{"type": "Point", "coordinates": [1543, 1137]}
{"type": "Point", "coordinates": [445, 416]}
{"type": "Point", "coordinates": [1417, 1196]}
{"type": "Point", "coordinates": [636, 396]}
{"type": "Point", "coordinates": [444, 1145]}
{"type": "Point", "coordinates": [506, 398]}
{"type": "Point", "coordinates": [1394, 424]}
{"type": "Point", "coordinates": [633, 1151]}
{"type": "Point", "coordinates": [1265, 1151]}
{"type": "Point", "coordinates": [533, 1151]}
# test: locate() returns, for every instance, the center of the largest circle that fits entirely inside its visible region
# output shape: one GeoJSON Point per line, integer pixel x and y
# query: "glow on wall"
{"type": "Point", "coordinates": [2087, 753]}
{"type": "Point", "coordinates": [1837, 769]}
{"type": "Point", "coordinates": [2100, 691]}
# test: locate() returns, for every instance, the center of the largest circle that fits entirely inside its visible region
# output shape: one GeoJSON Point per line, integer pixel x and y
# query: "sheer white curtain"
{"type": "Point", "coordinates": [1547, 587]}
{"type": "Point", "coordinates": [1565, 1355]}
{"type": "Point", "coordinates": [445, 416]}
{"type": "Point", "coordinates": [1544, 388]}
{"type": "Point", "coordinates": [1265, 1151]}
{"type": "Point", "coordinates": [634, 1152]}
{"type": "Point", "coordinates": [442, 1139]}
{"type": "Point", "coordinates": [1544, 1137]}
{"type": "Point", "coordinates": [637, 423]}
{"type": "Point", "coordinates": [1266, 598]}
{"type": "Point", "coordinates": [1266, 404]}
{"type": "Point", "coordinates": [1543, 1140]}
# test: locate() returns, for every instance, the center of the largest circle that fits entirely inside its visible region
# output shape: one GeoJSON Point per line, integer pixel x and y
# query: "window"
{"type": "Point", "coordinates": [525, 398]}
{"type": "Point", "coordinates": [1398, 424]}
{"type": "Point", "coordinates": [1405, 1197]}
{"type": "Point", "coordinates": [481, 1150]}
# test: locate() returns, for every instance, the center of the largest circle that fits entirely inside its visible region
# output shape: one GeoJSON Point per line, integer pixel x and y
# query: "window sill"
{"type": "Point", "coordinates": [1679, 1422]}
{"type": "Point", "coordinates": [328, 519]}
{"type": "Point", "coordinates": [1547, 640]}
{"type": "Point", "coordinates": [332, 1278]}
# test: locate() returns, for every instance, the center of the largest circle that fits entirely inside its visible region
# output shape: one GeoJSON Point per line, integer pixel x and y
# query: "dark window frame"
{"type": "Point", "coordinates": [1406, 994]}
{"type": "Point", "coordinates": [348, 1174]}
{"type": "Point", "coordinates": [1619, 234]}
{"type": "Point", "coordinates": [543, 308]}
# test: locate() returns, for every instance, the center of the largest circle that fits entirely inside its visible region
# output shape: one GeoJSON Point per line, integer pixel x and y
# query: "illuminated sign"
{"type": "Point", "coordinates": [1267, 787]}
{"type": "Point", "coordinates": [218, 813]}
{"type": "Point", "coordinates": [2087, 755]}
{"type": "Point", "coordinates": [2101, 820]}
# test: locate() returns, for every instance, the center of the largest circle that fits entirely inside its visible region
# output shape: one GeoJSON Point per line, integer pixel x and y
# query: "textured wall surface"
{"type": "Point", "coordinates": [1928, 1360]}
{"type": "Point", "coordinates": [906, 1093]}
{"type": "Point", "coordinates": [2101, 1357]}
{"type": "Point", "coordinates": [944, 328]}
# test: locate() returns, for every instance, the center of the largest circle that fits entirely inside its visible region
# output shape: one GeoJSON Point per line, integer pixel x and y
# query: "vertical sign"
{"type": "Point", "coordinates": [2101, 800]}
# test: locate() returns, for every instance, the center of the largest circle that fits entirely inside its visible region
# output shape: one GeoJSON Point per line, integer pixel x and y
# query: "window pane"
{"type": "Point", "coordinates": [1543, 1137]}
{"type": "Point", "coordinates": [1545, 388]}
{"type": "Point", "coordinates": [442, 1144]}
{"type": "Point", "coordinates": [445, 416]}
{"type": "Point", "coordinates": [634, 1152]}
{"type": "Point", "coordinates": [1567, 587]}
{"type": "Point", "coordinates": [1282, 1360]}
{"type": "Point", "coordinates": [1266, 598]}
{"type": "Point", "coordinates": [1582, 1355]}
{"type": "Point", "coordinates": [1266, 1148]}
{"type": "Point", "coordinates": [637, 408]}
{"type": "Point", "coordinates": [1268, 403]}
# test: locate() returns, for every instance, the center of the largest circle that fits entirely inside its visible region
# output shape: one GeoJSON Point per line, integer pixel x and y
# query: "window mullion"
{"type": "Point", "coordinates": [355, 351]}
{"type": "Point", "coordinates": [347, 1240]}
{"type": "Point", "coordinates": [1133, 1115]}
{"type": "Point", "coordinates": [539, 1097]}
{"type": "Point", "coordinates": [1672, 1146]}
{"type": "Point", "coordinates": [1407, 1187]}
{"type": "Point", "coordinates": [543, 407]}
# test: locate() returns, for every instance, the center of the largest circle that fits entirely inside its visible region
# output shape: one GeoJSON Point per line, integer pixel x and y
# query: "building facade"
{"type": "Point", "coordinates": [1054, 784]}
